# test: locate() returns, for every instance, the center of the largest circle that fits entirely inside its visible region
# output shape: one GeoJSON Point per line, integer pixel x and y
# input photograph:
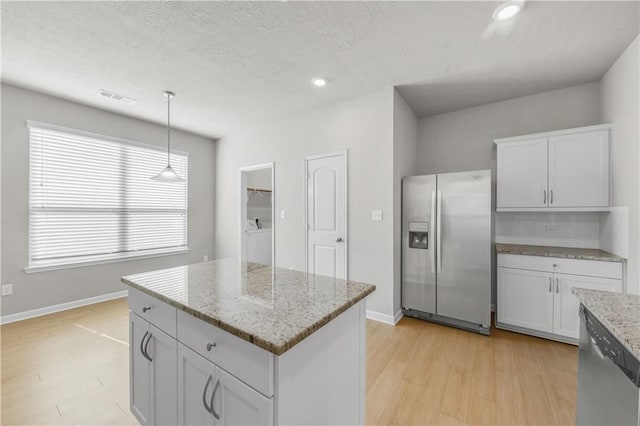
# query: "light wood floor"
{"type": "Point", "coordinates": [72, 368]}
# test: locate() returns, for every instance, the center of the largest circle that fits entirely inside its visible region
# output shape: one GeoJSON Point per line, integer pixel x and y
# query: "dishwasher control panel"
{"type": "Point", "coordinates": [610, 347]}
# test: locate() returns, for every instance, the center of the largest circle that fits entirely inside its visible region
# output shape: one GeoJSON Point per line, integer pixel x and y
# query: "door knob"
{"type": "Point", "coordinates": [339, 240]}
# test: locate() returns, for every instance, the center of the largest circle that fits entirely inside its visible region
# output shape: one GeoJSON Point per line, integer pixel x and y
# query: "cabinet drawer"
{"type": "Point", "coordinates": [156, 312]}
{"type": "Point", "coordinates": [591, 268]}
{"type": "Point", "coordinates": [249, 363]}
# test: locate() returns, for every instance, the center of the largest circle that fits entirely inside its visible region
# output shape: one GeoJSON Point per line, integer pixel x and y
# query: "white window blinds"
{"type": "Point", "coordinates": [92, 198]}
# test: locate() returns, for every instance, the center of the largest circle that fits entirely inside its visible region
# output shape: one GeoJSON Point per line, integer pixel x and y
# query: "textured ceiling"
{"type": "Point", "coordinates": [237, 64]}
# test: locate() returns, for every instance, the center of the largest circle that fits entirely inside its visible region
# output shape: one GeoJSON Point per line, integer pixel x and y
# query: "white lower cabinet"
{"type": "Point", "coordinates": [539, 301]}
{"type": "Point", "coordinates": [153, 356]}
{"type": "Point", "coordinates": [524, 299]}
{"type": "Point", "coordinates": [565, 320]}
{"type": "Point", "coordinates": [208, 395]}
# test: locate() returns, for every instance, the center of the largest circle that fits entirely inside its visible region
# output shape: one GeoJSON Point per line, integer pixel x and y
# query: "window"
{"type": "Point", "coordinates": [92, 199]}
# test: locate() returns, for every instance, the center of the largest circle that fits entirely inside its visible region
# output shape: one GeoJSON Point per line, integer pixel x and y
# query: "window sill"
{"type": "Point", "coordinates": [101, 260]}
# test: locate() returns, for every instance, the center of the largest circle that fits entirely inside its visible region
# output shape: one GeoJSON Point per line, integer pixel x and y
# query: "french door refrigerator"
{"type": "Point", "coordinates": [446, 249]}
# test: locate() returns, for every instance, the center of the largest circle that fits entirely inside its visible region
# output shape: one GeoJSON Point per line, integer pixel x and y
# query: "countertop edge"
{"type": "Point", "coordinates": [612, 258]}
{"type": "Point", "coordinates": [619, 334]}
{"type": "Point", "coordinates": [274, 348]}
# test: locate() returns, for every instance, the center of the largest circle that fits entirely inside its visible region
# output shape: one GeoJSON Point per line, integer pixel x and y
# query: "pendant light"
{"type": "Point", "coordinates": [168, 174]}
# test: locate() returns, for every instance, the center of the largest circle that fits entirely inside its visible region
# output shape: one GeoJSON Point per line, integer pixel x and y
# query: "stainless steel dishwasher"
{"type": "Point", "coordinates": [608, 377]}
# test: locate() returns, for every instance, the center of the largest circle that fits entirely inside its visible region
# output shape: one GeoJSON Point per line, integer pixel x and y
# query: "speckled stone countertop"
{"type": "Point", "coordinates": [619, 313]}
{"type": "Point", "coordinates": [272, 308]}
{"type": "Point", "coordinates": [562, 252]}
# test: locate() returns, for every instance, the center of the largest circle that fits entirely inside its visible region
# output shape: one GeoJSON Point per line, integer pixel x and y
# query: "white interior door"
{"type": "Point", "coordinates": [326, 215]}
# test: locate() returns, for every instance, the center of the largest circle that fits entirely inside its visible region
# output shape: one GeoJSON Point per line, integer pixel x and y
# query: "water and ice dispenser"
{"type": "Point", "coordinates": [419, 235]}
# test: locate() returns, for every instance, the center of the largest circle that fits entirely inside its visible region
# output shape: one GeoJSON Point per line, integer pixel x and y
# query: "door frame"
{"type": "Point", "coordinates": [345, 157]}
{"type": "Point", "coordinates": [243, 189]}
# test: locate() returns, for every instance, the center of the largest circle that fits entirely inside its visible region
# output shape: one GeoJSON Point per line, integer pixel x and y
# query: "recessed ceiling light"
{"type": "Point", "coordinates": [319, 81]}
{"type": "Point", "coordinates": [507, 10]}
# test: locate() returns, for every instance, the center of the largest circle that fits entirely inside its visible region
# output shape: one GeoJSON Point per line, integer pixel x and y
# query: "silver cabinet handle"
{"type": "Point", "coordinates": [551, 197]}
{"type": "Point", "coordinates": [432, 231]}
{"type": "Point", "coordinates": [146, 308]}
{"type": "Point", "coordinates": [146, 333]}
{"type": "Point", "coordinates": [550, 284]}
{"type": "Point", "coordinates": [210, 346]}
{"type": "Point", "coordinates": [146, 347]}
{"type": "Point", "coordinates": [339, 240]}
{"type": "Point", "coordinates": [204, 395]}
{"type": "Point", "coordinates": [544, 191]}
{"type": "Point", "coordinates": [439, 236]}
{"type": "Point", "coordinates": [213, 395]}
{"type": "Point", "coordinates": [557, 285]}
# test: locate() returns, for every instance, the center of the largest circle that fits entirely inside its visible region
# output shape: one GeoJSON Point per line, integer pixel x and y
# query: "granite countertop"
{"type": "Point", "coordinates": [562, 252]}
{"type": "Point", "coordinates": [273, 308]}
{"type": "Point", "coordinates": [619, 313]}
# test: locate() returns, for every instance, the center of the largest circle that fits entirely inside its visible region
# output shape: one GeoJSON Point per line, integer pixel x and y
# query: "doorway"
{"type": "Point", "coordinates": [326, 214]}
{"type": "Point", "coordinates": [257, 206]}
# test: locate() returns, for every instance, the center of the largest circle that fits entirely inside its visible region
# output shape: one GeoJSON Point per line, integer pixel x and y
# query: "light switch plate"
{"type": "Point", "coordinates": [283, 214]}
{"type": "Point", "coordinates": [7, 289]}
{"type": "Point", "coordinates": [376, 215]}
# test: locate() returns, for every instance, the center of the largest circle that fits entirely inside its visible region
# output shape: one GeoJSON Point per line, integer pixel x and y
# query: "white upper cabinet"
{"type": "Point", "coordinates": [579, 170]}
{"type": "Point", "coordinates": [566, 170]}
{"type": "Point", "coordinates": [522, 173]}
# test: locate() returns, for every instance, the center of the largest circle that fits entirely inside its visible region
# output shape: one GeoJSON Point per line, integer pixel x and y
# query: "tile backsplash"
{"type": "Point", "coordinates": [549, 229]}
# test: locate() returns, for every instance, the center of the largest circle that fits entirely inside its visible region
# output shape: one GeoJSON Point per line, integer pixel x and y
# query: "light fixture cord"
{"type": "Point", "coordinates": [168, 131]}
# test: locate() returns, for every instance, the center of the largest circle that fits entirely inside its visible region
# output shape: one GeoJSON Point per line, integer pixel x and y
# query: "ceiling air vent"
{"type": "Point", "coordinates": [116, 97]}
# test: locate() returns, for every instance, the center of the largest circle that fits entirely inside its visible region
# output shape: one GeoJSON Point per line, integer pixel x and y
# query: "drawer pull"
{"type": "Point", "coordinates": [555, 265]}
{"type": "Point", "coordinates": [210, 346]}
{"type": "Point", "coordinates": [204, 395]}
{"type": "Point", "coordinates": [146, 308]}
{"type": "Point", "coordinates": [213, 395]}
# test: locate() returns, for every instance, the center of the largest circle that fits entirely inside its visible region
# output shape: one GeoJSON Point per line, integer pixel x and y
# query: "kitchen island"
{"type": "Point", "coordinates": [229, 342]}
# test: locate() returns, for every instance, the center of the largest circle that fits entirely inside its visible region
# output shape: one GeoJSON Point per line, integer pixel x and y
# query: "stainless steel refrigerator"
{"type": "Point", "coordinates": [446, 249]}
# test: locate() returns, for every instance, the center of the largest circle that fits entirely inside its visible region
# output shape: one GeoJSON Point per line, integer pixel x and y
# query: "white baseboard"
{"type": "Point", "coordinates": [385, 318]}
{"type": "Point", "coordinates": [6, 319]}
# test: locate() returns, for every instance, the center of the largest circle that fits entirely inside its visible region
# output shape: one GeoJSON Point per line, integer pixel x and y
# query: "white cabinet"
{"type": "Point", "coordinates": [207, 395]}
{"type": "Point", "coordinates": [566, 170]}
{"type": "Point", "coordinates": [238, 404]}
{"type": "Point", "coordinates": [522, 173]}
{"type": "Point", "coordinates": [579, 170]}
{"type": "Point", "coordinates": [524, 299]}
{"type": "Point", "coordinates": [139, 391]}
{"type": "Point", "coordinates": [565, 321]}
{"type": "Point", "coordinates": [195, 388]}
{"type": "Point", "coordinates": [153, 368]}
{"type": "Point", "coordinates": [534, 293]}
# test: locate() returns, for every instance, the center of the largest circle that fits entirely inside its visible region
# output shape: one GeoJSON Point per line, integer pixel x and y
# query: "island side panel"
{"type": "Point", "coordinates": [321, 380]}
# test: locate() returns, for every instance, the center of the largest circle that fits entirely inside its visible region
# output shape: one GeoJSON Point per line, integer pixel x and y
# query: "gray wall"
{"type": "Point", "coordinates": [621, 106]}
{"type": "Point", "coordinates": [364, 127]}
{"type": "Point", "coordinates": [462, 140]}
{"type": "Point", "coordinates": [405, 146]}
{"type": "Point", "coordinates": [43, 289]}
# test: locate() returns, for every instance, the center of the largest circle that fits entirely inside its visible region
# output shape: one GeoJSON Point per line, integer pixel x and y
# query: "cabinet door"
{"type": "Point", "coordinates": [522, 174]}
{"type": "Point", "coordinates": [566, 321]}
{"type": "Point", "coordinates": [238, 404]}
{"type": "Point", "coordinates": [579, 170]}
{"type": "Point", "coordinates": [163, 351]}
{"type": "Point", "coordinates": [195, 388]}
{"type": "Point", "coordinates": [139, 369]}
{"type": "Point", "coordinates": [525, 299]}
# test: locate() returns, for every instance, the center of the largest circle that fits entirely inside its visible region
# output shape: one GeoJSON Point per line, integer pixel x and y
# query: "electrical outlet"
{"type": "Point", "coordinates": [283, 214]}
{"type": "Point", "coordinates": [205, 258]}
{"type": "Point", "coordinates": [376, 215]}
{"type": "Point", "coordinates": [7, 289]}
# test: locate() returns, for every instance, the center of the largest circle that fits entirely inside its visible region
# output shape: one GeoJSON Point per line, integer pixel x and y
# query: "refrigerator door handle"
{"type": "Point", "coordinates": [439, 236]}
{"type": "Point", "coordinates": [432, 231]}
